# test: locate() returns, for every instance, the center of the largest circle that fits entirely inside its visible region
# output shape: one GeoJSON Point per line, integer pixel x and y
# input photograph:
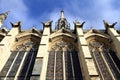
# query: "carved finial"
{"type": "Point", "coordinates": [114, 24]}
{"type": "Point", "coordinates": [78, 24]}
{"type": "Point", "coordinates": [62, 14]}
{"type": "Point", "coordinates": [18, 24]}
{"type": "Point", "coordinates": [48, 23]}
{"type": "Point", "coordinates": [109, 25]}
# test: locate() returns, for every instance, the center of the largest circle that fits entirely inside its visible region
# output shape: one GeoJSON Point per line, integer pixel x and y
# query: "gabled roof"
{"type": "Point", "coordinates": [33, 31]}
{"type": "Point", "coordinates": [63, 32]}
{"type": "Point", "coordinates": [93, 32]}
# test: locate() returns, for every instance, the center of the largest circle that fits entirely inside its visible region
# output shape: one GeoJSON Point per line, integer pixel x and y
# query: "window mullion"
{"type": "Point", "coordinates": [72, 65]}
{"type": "Point", "coordinates": [55, 65]}
{"type": "Point", "coordinates": [64, 71]}
{"type": "Point", "coordinates": [20, 67]}
{"type": "Point", "coordinates": [29, 65]}
{"type": "Point", "coordinates": [11, 66]}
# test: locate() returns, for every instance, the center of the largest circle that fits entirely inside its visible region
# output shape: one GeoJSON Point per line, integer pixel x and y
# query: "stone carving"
{"type": "Point", "coordinates": [109, 25]}
{"type": "Point", "coordinates": [48, 23]}
{"type": "Point", "coordinates": [27, 45]}
{"type": "Point", "coordinates": [64, 46]}
{"type": "Point", "coordinates": [98, 46]}
{"type": "Point", "coordinates": [62, 22]}
{"type": "Point", "coordinates": [101, 54]}
{"type": "Point", "coordinates": [3, 16]}
{"type": "Point", "coordinates": [78, 24]}
{"type": "Point", "coordinates": [18, 24]}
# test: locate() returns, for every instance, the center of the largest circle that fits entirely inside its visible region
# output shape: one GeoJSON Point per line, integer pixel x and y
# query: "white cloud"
{"type": "Point", "coordinates": [107, 11]}
{"type": "Point", "coordinates": [93, 12]}
{"type": "Point", "coordinates": [55, 15]}
{"type": "Point", "coordinates": [18, 12]}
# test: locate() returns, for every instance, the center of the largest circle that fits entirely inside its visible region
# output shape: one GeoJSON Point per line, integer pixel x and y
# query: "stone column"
{"type": "Point", "coordinates": [43, 49]}
{"type": "Point", "coordinates": [88, 67]}
{"type": "Point", "coordinates": [114, 36]}
{"type": "Point", "coordinates": [7, 43]}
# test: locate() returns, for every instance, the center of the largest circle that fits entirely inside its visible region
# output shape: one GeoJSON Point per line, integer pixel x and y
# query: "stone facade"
{"type": "Point", "coordinates": [60, 54]}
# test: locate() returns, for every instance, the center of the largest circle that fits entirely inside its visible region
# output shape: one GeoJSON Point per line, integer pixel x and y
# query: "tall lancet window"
{"type": "Point", "coordinates": [20, 63]}
{"type": "Point", "coordinates": [104, 58]}
{"type": "Point", "coordinates": [63, 63]}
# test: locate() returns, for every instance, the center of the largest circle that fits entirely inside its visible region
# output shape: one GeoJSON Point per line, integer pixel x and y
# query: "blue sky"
{"type": "Point", "coordinates": [33, 12]}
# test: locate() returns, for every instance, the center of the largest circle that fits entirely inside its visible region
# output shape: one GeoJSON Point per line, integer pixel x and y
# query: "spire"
{"type": "Point", "coordinates": [62, 14]}
{"type": "Point", "coordinates": [62, 22]}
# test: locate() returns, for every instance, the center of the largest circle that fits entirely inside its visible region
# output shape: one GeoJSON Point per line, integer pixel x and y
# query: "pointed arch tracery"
{"type": "Point", "coordinates": [63, 62]}
{"type": "Point", "coordinates": [105, 58]}
{"type": "Point", "coordinates": [24, 54]}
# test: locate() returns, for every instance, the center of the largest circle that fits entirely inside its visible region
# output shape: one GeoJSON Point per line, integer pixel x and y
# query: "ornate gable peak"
{"type": "Point", "coordinates": [34, 30]}
{"type": "Point", "coordinates": [62, 32]}
{"type": "Point", "coordinates": [94, 32]}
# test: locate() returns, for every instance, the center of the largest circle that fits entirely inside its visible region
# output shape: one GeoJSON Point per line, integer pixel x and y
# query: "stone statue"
{"type": "Point", "coordinates": [3, 16]}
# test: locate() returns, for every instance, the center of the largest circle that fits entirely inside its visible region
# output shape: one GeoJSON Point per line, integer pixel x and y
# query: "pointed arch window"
{"type": "Point", "coordinates": [20, 63]}
{"type": "Point", "coordinates": [63, 63]}
{"type": "Point", "coordinates": [105, 62]}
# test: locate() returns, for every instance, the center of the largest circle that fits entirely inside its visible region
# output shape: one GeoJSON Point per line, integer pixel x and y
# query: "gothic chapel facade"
{"type": "Point", "coordinates": [59, 54]}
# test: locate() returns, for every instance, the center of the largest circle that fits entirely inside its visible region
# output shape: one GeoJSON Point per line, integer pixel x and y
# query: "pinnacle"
{"type": "Point", "coordinates": [62, 14]}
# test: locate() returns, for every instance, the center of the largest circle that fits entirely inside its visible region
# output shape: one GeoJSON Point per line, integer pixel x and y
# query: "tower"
{"type": "Point", "coordinates": [60, 54]}
{"type": "Point", "coordinates": [62, 22]}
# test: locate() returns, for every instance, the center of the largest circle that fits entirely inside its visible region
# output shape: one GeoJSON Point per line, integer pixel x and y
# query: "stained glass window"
{"type": "Point", "coordinates": [8, 64]}
{"type": "Point", "coordinates": [63, 63]}
{"type": "Point", "coordinates": [103, 57]}
{"type": "Point", "coordinates": [13, 63]}
{"type": "Point", "coordinates": [50, 67]}
{"type": "Point", "coordinates": [16, 64]}
{"type": "Point", "coordinates": [68, 66]}
{"type": "Point", "coordinates": [59, 66]}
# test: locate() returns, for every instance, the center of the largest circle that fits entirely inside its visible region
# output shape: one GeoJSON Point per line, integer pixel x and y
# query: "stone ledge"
{"type": "Point", "coordinates": [1, 44]}
{"type": "Point", "coordinates": [8, 35]}
{"type": "Point", "coordinates": [42, 44]}
{"type": "Point", "coordinates": [84, 45]}
{"type": "Point", "coordinates": [45, 35]}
